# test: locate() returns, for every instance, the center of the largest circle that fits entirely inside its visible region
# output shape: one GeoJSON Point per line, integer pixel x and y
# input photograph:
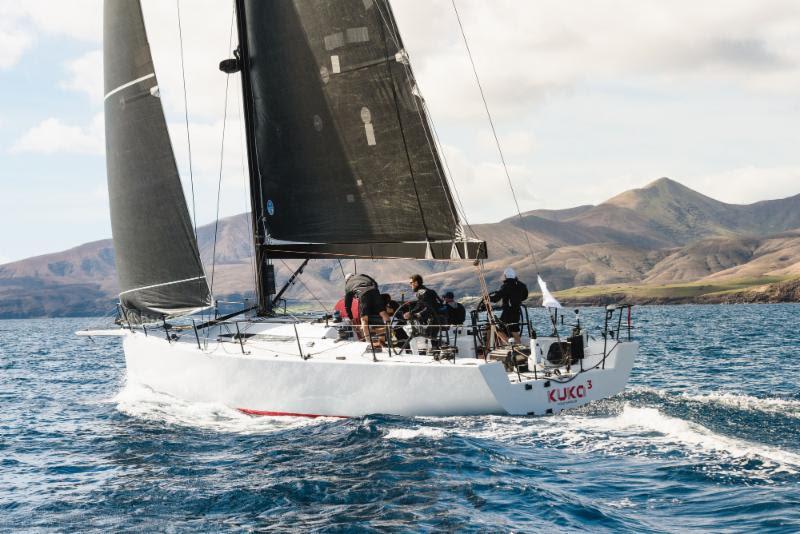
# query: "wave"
{"type": "Point", "coordinates": [405, 434]}
{"type": "Point", "coordinates": [788, 407]}
{"type": "Point", "coordinates": [694, 436]}
{"type": "Point", "coordinates": [740, 401]}
{"type": "Point", "coordinates": [617, 428]}
{"type": "Point", "coordinates": [142, 402]}
{"type": "Point", "coordinates": [627, 430]}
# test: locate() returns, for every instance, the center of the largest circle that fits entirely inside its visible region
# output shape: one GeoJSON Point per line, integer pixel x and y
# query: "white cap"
{"type": "Point", "coordinates": [349, 276]}
{"type": "Point", "coordinates": [509, 273]}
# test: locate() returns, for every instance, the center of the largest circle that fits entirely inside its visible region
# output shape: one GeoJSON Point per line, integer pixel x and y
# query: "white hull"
{"type": "Point", "coordinates": [268, 376]}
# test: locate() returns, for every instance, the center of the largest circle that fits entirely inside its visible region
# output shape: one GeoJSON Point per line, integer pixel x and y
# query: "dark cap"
{"type": "Point", "coordinates": [449, 295]}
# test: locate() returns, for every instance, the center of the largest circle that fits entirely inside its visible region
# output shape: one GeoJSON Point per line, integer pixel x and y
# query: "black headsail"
{"type": "Point", "coordinates": [158, 264]}
{"type": "Point", "coordinates": [342, 157]}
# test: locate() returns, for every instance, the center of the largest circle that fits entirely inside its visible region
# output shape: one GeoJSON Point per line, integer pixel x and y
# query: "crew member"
{"type": "Point", "coordinates": [370, 302]}
{"type": "Point", "coordinates": [425, 309]}
{"type": "Point", "coordinates": [513, 293]}
{"type": "Point", "coordinates": [340, 308]}
{"type": "Point", "coordinates": [454, 311]}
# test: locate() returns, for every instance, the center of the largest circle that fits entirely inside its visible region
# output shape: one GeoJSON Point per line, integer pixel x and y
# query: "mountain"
{"type": "Point", "coordinates": [78, 281]}
{"type": "Point", "coordinates": [666, 213]}
{"type": "Point", "coordinates": [647, 241]}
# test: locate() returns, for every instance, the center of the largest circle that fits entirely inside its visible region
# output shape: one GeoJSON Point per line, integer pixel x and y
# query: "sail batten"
{"type": "Point", "coordinates": [130, 83]}
{"type": "Point", "coordinates": [157, 259]}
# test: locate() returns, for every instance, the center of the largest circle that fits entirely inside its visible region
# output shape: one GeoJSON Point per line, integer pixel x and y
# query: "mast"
{"type": "Point", "coordinates": [265, 273]}
{"type": "Point", "coordinates": [341, 156]}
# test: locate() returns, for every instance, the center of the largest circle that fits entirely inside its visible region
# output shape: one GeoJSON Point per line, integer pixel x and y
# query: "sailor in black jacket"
{"type": "Point", "coordinates": [512, 294]}
{"type": "Point", "coordinates": [454, 311]}
{"type": "Point", "coordinates": [370, 301]}
{"type": "Point", "coordinates": [425, 309]}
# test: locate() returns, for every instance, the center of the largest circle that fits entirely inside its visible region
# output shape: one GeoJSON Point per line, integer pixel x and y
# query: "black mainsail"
{"type": "Point", "coordinates": [342, 157]}
{"type": "Point", "coordinates": [158, 263]}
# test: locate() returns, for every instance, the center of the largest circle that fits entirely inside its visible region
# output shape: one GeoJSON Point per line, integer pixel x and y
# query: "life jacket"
{"type": "Point", "coordinates": [513, 293]}
{"type": "Point", "coordinates": [428, 305]}
{"type": "Point", "coordinates": [520, 292]}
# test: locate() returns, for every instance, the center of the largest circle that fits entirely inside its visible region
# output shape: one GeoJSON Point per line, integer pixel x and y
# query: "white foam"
{"type": "Point", "coordinates": [694, 437]}
{"type": "Point", "coordinates": [634, 431]}
{"type": "Point", "coordinates": [622, 503]}
{"type": "Point", "coordinates": [788, 407]}
{"type": "Point", "coordinates": [404, 434]}
{"type": "Point", "coordinates": [142, 402]}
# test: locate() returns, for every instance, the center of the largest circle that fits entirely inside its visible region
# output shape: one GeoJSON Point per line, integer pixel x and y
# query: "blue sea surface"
{"type": "Point", "coordinates": [705, 438]}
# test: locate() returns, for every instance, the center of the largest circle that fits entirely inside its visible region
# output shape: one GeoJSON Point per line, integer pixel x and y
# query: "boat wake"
{"type": "Point", "coordinates": [787, 407]}
{"type": "Point", "coordinates": [405, 434]}
{"type": "Point", "coordinates": [618, 427]}
{"type": "Point", "coordinates": [772, 405]}
{"type": "Point", "coordinates": [666, 433]}
{"type": "Point", "coordinates": [142, 402]}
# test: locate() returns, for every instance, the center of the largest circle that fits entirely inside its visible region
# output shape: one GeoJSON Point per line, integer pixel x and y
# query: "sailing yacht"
{"type": "Point", "coordinates": [343, 164]}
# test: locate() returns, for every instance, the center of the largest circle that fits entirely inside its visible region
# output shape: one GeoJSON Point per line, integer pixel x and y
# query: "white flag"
{"type": "Point", "coordinates": [548, 300]}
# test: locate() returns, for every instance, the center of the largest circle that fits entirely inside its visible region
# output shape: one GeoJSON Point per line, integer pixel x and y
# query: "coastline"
{"type": "Point", "coordinates": [774, 290]}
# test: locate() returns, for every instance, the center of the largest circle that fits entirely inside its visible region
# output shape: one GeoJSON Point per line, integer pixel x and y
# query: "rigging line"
{"type": "Point", "coordinates": [313, 296]}
{"type": "Point", "coordinates": [459, 204]}
{"type": "Point", "coordinates": [444, 178]}
{"type": "Point", "coordinates": [221, 161]}
{"type": "Point", "coordinates": [494, 132]}
{"type": "Point", "coordinates": [403, 135]}
{"type": "Point", "coordinates": [435, 142]}
{"type": "Point", "coordinates": [186, 116]}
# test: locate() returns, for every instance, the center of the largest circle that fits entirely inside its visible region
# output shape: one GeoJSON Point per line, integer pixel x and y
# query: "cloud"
{"type": "Point", "coordinates": [206, 138]}
{"type": "Point", "coordinates": [52, 136]}
{"type": "Point", "coordinates": [206, 32]}
{"type": "Point", "coordinates": [749, 184]}
{"type": "Point", "coordinates": [527, 52]}
{"type": "Point", "coordinates": [86, 75]}
{"type": "Point", "coordinates": [530, 55]}
{"type": "Point", "coordinates": [77, 19]}
{"type": "Point", "coordinates": [514, 143]}
{"type": "Point", "coordinates": [474, 177]}
{"type": "Point", "coordinates": [13, 43]}
{"type": "Point", "coordinates": [22, 22]}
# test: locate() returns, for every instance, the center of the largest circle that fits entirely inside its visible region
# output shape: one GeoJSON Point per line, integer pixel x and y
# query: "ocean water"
{"type": "Point", "coordinates": [706, 438]}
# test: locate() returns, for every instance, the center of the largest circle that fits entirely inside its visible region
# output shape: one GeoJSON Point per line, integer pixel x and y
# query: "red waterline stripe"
{"type": "Point", "coordinates": [287, 414]}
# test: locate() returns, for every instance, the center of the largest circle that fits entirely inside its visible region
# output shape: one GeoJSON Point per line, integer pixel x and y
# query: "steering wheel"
{"type": "Point", "coordinates": [397, 321]}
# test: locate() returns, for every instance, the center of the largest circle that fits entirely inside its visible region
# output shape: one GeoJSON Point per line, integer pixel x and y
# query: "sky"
{"type": "Point", "coordinates": [589, 99]}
